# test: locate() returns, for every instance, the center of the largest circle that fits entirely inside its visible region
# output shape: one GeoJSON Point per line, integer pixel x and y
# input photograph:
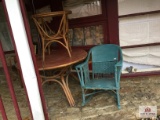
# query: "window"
{"type": "Point", "coordinates": [82, 8]}
{"type": "Point", "coordinates": [92, 35]}
{"type": "Point", "coordinates": [139, 31]}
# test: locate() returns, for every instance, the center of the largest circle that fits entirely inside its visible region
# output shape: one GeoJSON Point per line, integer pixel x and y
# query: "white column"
{"type": "Point", "coordinates": [24, 53]}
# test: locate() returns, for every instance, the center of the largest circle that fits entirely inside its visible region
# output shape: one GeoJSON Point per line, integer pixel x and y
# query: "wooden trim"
{"type": "Point", "coordinates": [112, 21]}
{"type": "Point", "coordinates": [28, 33]}
{"type": "Point", "coordinates": [87, 24]}
{"type": "Point", "coordinates": [141, 45]}
{"type": "Point", "coordinates": [86, 20]}
{"type": "Point", "coordinates": [9, 82]}
{"type": "Point", "coordinates": [9, 52]}
{"type": "Point", "coordinates": [138, 14]}
{"type": "Point", "coordinates": [2, 109]}
{"type": "Point", "coordinates": [137, 74]}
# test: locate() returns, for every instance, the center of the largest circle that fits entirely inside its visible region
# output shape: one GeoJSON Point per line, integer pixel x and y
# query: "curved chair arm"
{"type": "Point", "coordinates": [119, 64]}
{"type": "Point", "coordinates": [83, 72]}
{"type": "Point", "coordinates": [81, 65]}
{"type": "Point", "coordinates": [118, 70]}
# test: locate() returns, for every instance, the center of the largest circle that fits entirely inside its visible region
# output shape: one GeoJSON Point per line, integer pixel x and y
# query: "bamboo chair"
{"type": "Point", "coordinates": [48, 36]}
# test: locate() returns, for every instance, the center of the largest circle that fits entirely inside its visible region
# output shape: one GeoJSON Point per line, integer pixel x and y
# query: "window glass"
{"type": "Point", "coordinates": [92, 35]}
{"type": "Point", "coordinates": [82, 8]}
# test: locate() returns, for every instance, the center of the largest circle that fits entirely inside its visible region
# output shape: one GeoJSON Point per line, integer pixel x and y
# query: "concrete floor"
{"type": "Point", "coordinates": [135, 92]}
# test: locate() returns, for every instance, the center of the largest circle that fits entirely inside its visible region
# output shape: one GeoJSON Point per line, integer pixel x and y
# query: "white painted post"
{"type": "Point", "coordinates": [24, 53]}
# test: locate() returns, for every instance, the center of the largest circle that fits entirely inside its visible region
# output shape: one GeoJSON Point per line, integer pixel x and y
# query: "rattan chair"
{"type": "Point", "coordinates": [48, 36]}
{"type": "Point", "coordinates": [106, 69]}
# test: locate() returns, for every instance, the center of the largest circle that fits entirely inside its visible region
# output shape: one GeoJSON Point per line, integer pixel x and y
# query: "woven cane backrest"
{"type": "Point", "coordinates": [103, 60]}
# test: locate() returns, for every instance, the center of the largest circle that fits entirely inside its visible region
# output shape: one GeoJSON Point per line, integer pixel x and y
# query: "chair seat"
{"type": "Point", "coordinates": [103, 83]}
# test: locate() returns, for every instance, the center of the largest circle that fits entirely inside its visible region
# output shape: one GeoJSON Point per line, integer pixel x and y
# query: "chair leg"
{"type": "Point", "coordinates": [83, 97]}
{"type": "Point", "coordinates": [89, 97]}
{"type": "Point", "coordinates": [118, 99]}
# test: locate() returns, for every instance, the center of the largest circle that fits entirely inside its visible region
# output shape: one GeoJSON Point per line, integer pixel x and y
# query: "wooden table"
{"type": "Point", "coordinates": [60, 60]}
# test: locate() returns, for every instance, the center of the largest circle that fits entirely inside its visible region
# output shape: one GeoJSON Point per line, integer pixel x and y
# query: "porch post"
{"type": "Point", "coordinates": [24, 53]}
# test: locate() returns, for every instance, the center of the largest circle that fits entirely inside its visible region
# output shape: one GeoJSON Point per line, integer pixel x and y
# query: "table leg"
{"type": "Point", "coordinates": [68, 91]}
{"type": "Point", "coordinates": [64, 86]}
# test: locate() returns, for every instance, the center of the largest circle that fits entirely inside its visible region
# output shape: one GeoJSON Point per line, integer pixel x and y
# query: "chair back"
{"type": "Point", "coordinates": [103, 58]}
{"type": "Point", "coordinates": [45, 30]}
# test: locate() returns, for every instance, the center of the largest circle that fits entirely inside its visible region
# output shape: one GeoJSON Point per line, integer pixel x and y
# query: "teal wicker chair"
{"type": "Point", "coordinates": [104, 72]}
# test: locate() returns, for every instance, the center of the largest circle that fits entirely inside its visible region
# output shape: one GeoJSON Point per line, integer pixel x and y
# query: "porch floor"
{"type": "Point", "coordinates": [135, 92]}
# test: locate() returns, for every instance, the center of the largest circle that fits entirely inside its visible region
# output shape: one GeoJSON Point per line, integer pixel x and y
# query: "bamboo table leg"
{"type": "Point", "coordinates": [63, 87]}
{"type": "Point", "coordinates": [63, 82]}
{"type": "Point", "coordinates": [68, 92]}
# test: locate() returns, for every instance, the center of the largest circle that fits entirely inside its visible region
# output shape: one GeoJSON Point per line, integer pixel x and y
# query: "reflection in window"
{"type": "Point", "coordinates": [82, 8]}
{"type": "Point", "coordinates": [92, 35]}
